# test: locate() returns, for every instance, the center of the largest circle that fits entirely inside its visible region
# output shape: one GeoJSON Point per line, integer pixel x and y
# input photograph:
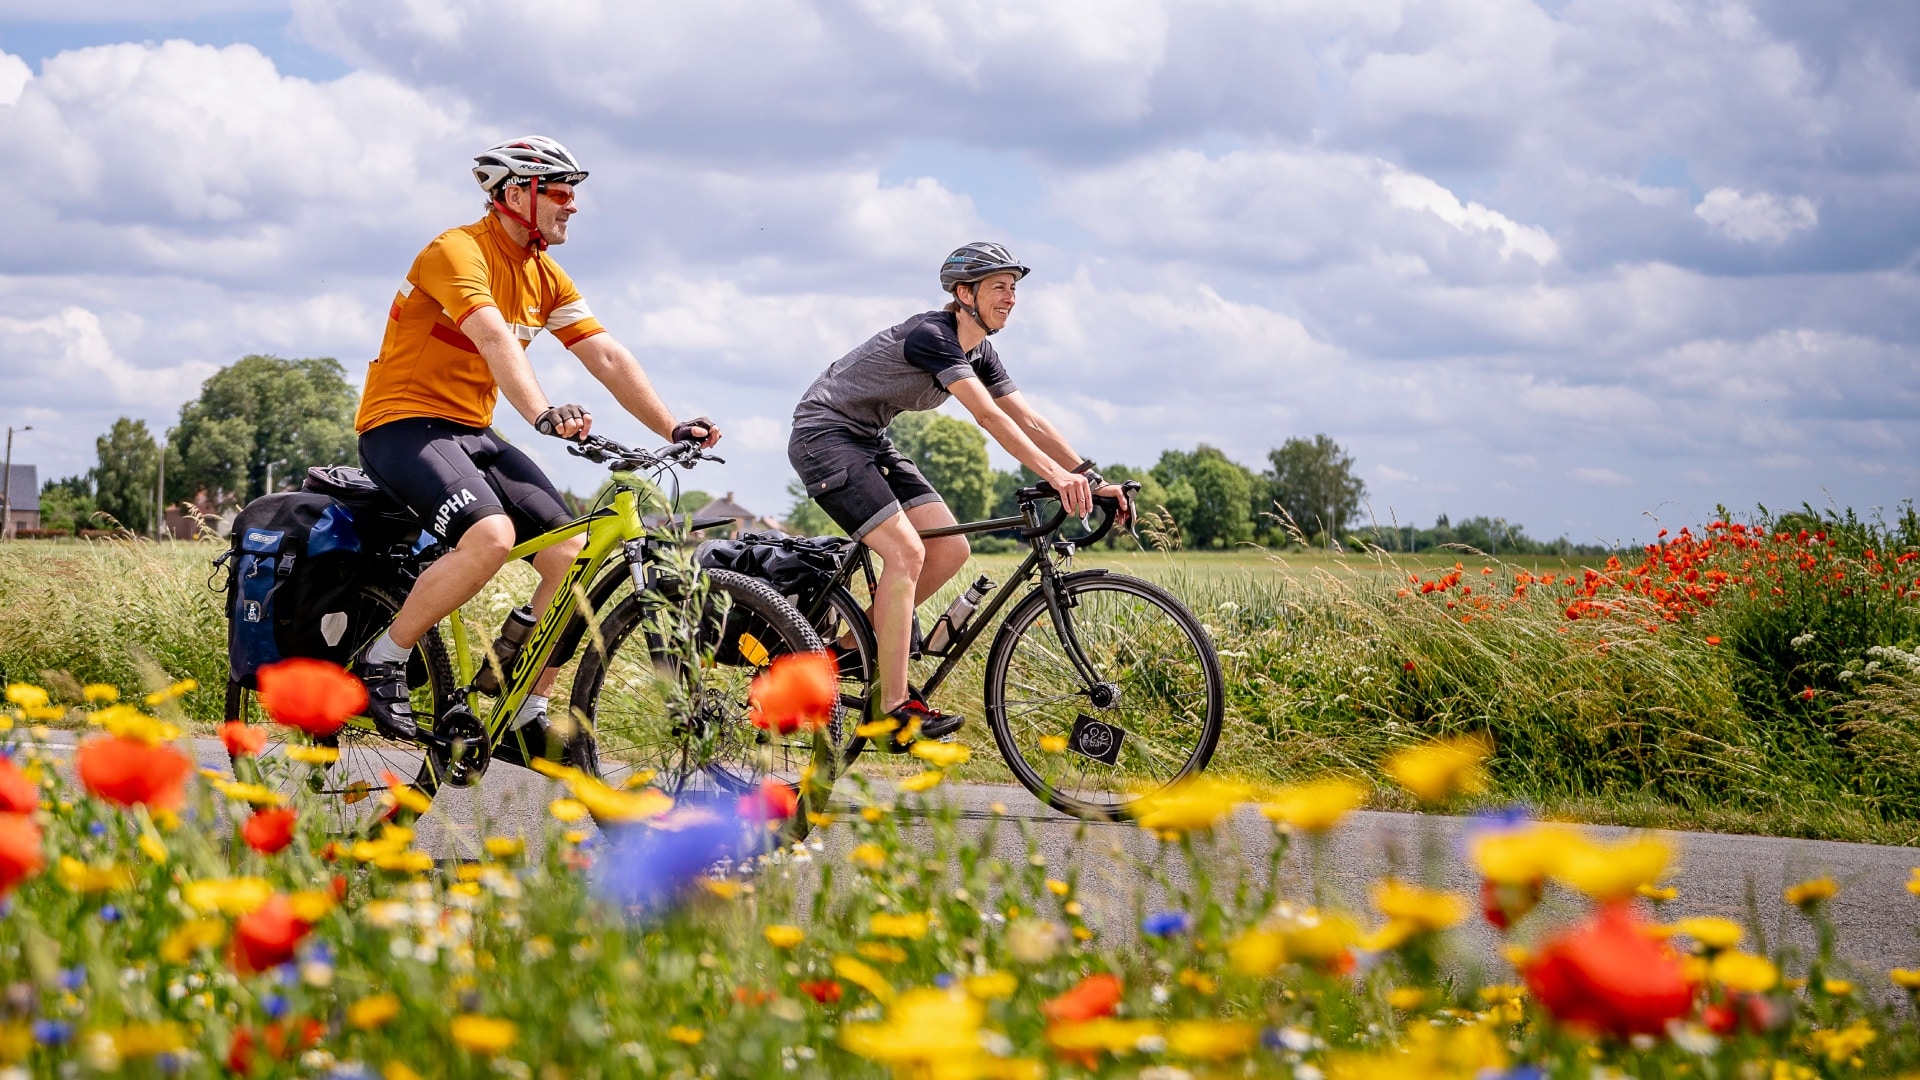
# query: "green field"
{"type": "Point", "coordinates": [1629, 714]}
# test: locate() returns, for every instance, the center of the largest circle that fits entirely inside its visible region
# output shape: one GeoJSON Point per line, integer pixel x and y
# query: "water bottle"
{"type": "Point", "coordinates": [947, 630]}
{"type": "Point", "coordinates": [505, 649]}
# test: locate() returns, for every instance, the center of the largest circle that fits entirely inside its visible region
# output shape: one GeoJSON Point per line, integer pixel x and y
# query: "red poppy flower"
{"type": "Point", "coordinates": [824, 991]}
{"type": "Point", "coordinates": [312, 695]}
{"type": "Point", "coordinates": [240, 1051]}
{"type": "Point", "coordinates": [267, 831]}
{"type": "Point", "coordinates": [18, 795]}
{"type": "Point", "coordinates": [266, 937]}
{"type": "Point", "coordinates": [1608, 975]}
{"type": "Point", "coordinates": [1505, 904]}
{"type": "Point", "coordinates": [773, 800]}
{"type": "Point", "coordinates": [798, 691]}
{"type": "Point", "coordinates": [1095, 996]}
{"type": "Point", "coordinates": [20, 855]}
{"type": "Point", "coordinates": [242, 739]}
{"type": "Point", "coordinates": [287, 1039]}
{"type": "Point", "coordinates": [128, 772]}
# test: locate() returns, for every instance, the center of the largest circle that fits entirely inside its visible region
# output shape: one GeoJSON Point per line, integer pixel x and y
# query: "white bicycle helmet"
{"type": "Point", "coordinates": [530, 157]}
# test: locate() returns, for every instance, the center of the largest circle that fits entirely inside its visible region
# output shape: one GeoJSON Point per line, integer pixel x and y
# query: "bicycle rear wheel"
{"type": "Point", "coordinates": [347, 792]}
{"type": "Point", "coordinates": [1149, 715]}
{"type": "Point", "coordinates": [683, 727]}
{"type": "Point", "coordinates": [843, 626]}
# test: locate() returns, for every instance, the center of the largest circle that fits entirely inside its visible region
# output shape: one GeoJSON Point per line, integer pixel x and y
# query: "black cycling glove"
{"type": "Point", "coordinates": [683, 431]}
{"type": "Point", "coordinates": [548, 422]}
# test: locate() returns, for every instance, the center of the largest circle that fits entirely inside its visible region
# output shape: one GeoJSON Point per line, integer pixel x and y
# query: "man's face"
{"type": "Point", "coordinates": [552, 210]}
{"type": "Point", "coordinates": [993, 298]}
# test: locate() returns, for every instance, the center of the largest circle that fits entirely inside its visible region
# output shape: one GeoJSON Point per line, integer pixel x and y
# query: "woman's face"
{"type": "Point", "coordinates": [993, 298]}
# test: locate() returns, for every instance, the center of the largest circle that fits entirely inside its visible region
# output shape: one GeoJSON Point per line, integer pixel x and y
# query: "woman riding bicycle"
{"type": "Point", "coordinates": [841, 451]}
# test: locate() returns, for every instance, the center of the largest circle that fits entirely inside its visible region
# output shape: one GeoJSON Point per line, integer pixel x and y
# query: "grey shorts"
{"type": "Point", "coordinates": [859, 480]}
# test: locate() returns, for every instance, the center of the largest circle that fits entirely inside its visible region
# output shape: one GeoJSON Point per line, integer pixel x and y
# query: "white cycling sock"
{"type": "Point", "coordinates": [385, 651]}
{"type": "Point", "coordinates": [530, 708]}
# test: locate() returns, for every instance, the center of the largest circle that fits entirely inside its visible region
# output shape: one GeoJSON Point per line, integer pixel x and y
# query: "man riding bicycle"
{"type": "Point", "coordinates": [841, 451]}
{"type": "Point", "coordinates": [456, 340]}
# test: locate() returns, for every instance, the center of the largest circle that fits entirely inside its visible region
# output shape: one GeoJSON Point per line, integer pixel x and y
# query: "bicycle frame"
{"type": "Point", "coordinates": [1035, 562]}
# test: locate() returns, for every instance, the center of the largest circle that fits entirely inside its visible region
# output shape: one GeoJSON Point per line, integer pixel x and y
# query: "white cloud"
{"type": "Point", "coordinates": [14, 76]}
{"type": "Point", "coordinates": [1759, 218]}
{"type": "Point", "coordinates": [1599, 477]}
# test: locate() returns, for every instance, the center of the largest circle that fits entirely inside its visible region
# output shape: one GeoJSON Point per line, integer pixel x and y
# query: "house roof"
{"type": "Point", "coordinates": [24, 492]}
{"type": "Point", "coordinates": [725, 507]}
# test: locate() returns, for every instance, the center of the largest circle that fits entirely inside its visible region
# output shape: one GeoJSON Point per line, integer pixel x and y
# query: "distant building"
{"type": "Point", "coordinates": [23, 496]}
{"type": "Point", "coordinates": [725, 507]}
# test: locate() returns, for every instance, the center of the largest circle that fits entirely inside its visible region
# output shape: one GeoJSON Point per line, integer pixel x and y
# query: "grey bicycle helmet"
{"type": "Point", "coordinates": [977, 261]}
{"type": "Point", "coordinates": [530, 157]}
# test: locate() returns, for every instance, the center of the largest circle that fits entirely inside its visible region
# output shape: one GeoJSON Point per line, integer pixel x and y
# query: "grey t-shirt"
{"type": "Point", "coordinates": [904, 368]}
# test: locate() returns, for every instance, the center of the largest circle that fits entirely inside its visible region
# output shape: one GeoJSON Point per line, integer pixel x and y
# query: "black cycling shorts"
{"type": "Point", "coordinates": [451, 475]}
{"type": "Point", "coordinates": [859, 480]}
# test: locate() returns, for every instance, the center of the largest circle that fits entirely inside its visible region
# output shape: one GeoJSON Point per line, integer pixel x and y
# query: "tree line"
{"type": "Point", "coordinates": [265, 416]}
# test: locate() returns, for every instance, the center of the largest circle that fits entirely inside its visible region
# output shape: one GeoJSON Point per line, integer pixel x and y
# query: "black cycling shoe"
{"type": "Point", "coordinates": [525, 744]}
{"type": "Point", "coordinates": [918, 721]}
{"type": "Point", "coordinates": [389, 702]}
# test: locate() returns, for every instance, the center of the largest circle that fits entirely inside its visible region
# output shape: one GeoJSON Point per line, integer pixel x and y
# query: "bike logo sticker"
{"type": "Point", "coordinates": [1096, 739]}
{"type": "Point", "coordinates": [333, 627]}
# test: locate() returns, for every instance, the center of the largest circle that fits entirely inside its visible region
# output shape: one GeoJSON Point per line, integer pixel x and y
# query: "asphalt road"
{"type": "Point", "coordinates": [1741, 877]}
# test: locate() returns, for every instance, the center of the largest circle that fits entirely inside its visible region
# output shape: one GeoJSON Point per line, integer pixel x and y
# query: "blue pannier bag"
{"type": "Point", "coordinates": [295, 566]}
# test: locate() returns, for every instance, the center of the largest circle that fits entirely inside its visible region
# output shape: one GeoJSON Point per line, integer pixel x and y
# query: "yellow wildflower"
{"type": "Point", "coordinates": [1058, 887]}
{"type": "Point", "coordinates": [873, 729]}
{"type": "Point", "coordinates": [228, 896]}
{"type": "Point", "coordinates": [567, 811]}
{"type": "Point", "coordinates": [311, 905]}
{"type": "Point", "coordinates": [1423, 909]}
{"type": "Point", "coordinates": [1837, 987]}
{"type": "Point", "coordinates": [392, 840]}
{"type": "Point", "coordinates": [26, 695]}
{"type": "Point", "coordinates": [1315, 807]}
{"type": "Point", "coordinates": [1406, 997]}
{"type": "Point", "coordinates": [1744, 972]}
{"type": "Point", "coordinates": [190, 937]}
{"type": "Point", "coordinates": [404, 862]}
{"type": "Point", "coordinates": [725, 890]}
{"type": "Point", "coordinates": [1427, 1051]}
{"type": "Point", "coordinates": [920, 782]}
{"type": "Point", "coordinates": [1258, 952]}
{"type": "Point", "coordinates": [82, 878]}
{"type": "Point", "coordinates": [130, 723]}
{"type": "Point", "coordinates": [1905, 978]}
{"type": "Point", "coordinates": [152, 846]}
{"type": "Point", "coordinates": [184, 686]}
{"type": "Point", "coordinates": [251, 794]}
{"type": "Point", "coordinates": [994, 985]}
{"type": "Point", "coordinates": [148, 1040]}
{"type": "Point", "coordinates": [313, 755]}
{"type": "Point", "coordinates": [909, 925]}
{"type": "Point", "coordinates": [504, 847]}
{"type": "Point", "coordinates": [483, 1034]}
{"type": "Point", "coordinates": [784, 937]}
{"type": "Point", "coordinates": [925, 1030]}
{"type": "Point", "coordinates": [1212, 1040]}
{"type": "Point", "coordinates": [872, 814]}
{"type": "Point", "coordinates": [689, 1036]}
{"type": "Point", "coordinates": [941, 755]}
{"type": "Point", "coordinates": [1810, 892]}
{"type": "Point", "coordinates": [881, 952]}
{"type": "Point", "coordinates": [863, 976]}
{"type": "Point", "coordinates": [405, 796]}
{"type": "Point", "coordinates": [1659, 894]}
{"type": "Point", "coordinates": [1104, 1033]}
{"type": "Point", "coordinates": [1712, 932]}
{"type": "Point", "coordinates": [1520, 856]}
{"type": "Point", "coordinates": [1844, 1044]}
{"type": "Point", "coordinates": [1053, 744]}
{"type": "Point", "coordinates": [870, 856]}
{"type": "Point", "coordinates": [1612, 871]}
{"type": "Point", "coordinates": [372, 1012]}
{"type": "Point", "coordinates": [1440, 771]}
{"type": "Point", "coordinates": [1192, 805]}
{"type": "Point", "coordinates": [1197, 980]}
{"type": "Point", "coordinates": [1913, 883]}
{"type": "Point", "coordinates": [397, 1070]}
{"type": "Point", "coordinates": [100, 692]}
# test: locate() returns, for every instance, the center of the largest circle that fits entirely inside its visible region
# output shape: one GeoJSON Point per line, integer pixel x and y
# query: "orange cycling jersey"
{"type": "Point", "coordinates": [427, 366]}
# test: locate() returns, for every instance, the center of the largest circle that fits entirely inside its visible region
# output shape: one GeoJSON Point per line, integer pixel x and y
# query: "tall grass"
{"type": "Point", "coordinates": [1631, 713]}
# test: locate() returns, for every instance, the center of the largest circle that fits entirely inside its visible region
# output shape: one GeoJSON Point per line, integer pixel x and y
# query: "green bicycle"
{"type": "Point", "coordinates": [659, 696]}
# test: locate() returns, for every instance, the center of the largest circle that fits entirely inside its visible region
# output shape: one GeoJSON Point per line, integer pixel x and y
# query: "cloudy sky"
{"type": "Point", "coordinates": [1583, 264]}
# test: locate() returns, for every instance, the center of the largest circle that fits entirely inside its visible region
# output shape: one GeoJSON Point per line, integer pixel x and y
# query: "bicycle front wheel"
{"type": "Point", "coordinates": [1118, 698]}
{"type": "Point", "coordinates": [683, 727]}
{"type": "Point", "coordinates": [347, 791]}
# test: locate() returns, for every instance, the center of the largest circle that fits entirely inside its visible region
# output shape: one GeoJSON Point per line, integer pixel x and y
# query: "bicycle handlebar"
{"type": "Point", "coordinates": [1106, 503]}
{"type": "Point", "coordinates": [602, 450]}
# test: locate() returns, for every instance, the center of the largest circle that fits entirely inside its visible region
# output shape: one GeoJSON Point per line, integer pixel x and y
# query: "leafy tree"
{"type": "Point", "coordinates": [1314, 482]}
{"type": "Point", "coordinates": [1151, 498]}
{"type": "Point", "coordinates": [67, 503]}
{"type": "Point", "coordinates": [1005, 483]}
{"type": "Point", "coordinates": [805, 517]}
{"type": "Point", "coordinates": [293, 414]}
{"type": "Point", "coordinates": [123, 478]}
{"type": "Point", "coordinates": [953, 455]}
{"type": "Point", "coordinates": [1216, 500]}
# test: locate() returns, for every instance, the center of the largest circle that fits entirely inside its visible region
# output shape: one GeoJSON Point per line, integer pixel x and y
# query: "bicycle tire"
{"type": "Point", "coordinates": [348, 790]}
{"type": "Point", "coordinates": [844, 616]}
{"type": "Point", "coordinates": [1162, 723]}
{"type": "Point", "coordinates": [718, 753]}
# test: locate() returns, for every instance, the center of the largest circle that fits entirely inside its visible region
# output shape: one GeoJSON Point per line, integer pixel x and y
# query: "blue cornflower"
{"type": "Point", "coordinates": [274, 1006]}
{"type": "Point", "coordinates": [645, 867]}
{"type": "Point", "coordinates": [109, 913]}
{"type": "Point", "coordinates": [52, 1032]}
{"type": "Point", "coordinates": [943, 980]}
{"type": "Point", "coordinates": [1167, 923]}
{"type": "Point", "coordinates": [73, 978]}
{"type": "Point", "coordinates": [97, 828]}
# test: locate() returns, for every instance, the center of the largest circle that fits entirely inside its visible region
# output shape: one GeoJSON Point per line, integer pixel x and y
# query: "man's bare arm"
{"type": "Point", "coordinates": [615, 366]}
{"type": "Point", "coordinates": [507, 359]}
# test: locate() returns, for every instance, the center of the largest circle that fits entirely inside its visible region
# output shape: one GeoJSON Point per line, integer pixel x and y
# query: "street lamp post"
{"type": "Point", "coordinates": [270, 466]}
{"type": "Point", "coordinates": [6, 487]}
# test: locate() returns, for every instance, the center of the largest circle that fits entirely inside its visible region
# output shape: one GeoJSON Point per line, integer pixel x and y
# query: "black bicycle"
{"type": "Point", "coordinates": [1100, 688]}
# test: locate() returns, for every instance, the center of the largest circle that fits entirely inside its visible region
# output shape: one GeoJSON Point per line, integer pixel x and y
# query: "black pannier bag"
{"type": "Point", "coordinates": [797, 567]}
{"type": "Point", "coordinates": [296, 565]}
{"type": "Point", "coordinates": [380, 520]}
